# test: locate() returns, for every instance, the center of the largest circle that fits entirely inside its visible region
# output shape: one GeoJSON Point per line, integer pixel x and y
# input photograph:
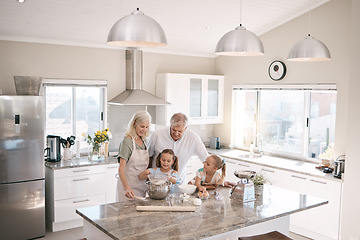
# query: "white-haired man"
{"type": "Point", "coordinates": [183, 141]}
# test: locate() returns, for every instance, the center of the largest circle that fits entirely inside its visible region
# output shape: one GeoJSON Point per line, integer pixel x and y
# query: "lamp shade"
{"type": "Point", "coordinates": [240, 42]}
{"type": "Point", "coordinates": [137, 30]}
{"type": "Point", "coordinates": [309, 49]}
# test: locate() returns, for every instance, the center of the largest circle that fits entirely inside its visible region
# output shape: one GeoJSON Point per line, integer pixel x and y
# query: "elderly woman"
{"type": "Point", "coordinates": [133, 157]}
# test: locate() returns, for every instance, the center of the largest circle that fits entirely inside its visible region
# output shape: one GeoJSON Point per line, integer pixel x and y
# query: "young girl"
{"type": "Point", "coordinates": [209, 177]}
{"type": "Point", "coordinates": [166, 162]}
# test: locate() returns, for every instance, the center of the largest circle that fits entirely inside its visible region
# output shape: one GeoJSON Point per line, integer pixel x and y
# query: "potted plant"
{"type": "Point", "coordinates": [259, 180]}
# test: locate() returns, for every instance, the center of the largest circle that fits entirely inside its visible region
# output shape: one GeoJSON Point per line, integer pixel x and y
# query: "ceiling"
{"type": "Point", "coordinates": [192, 27]}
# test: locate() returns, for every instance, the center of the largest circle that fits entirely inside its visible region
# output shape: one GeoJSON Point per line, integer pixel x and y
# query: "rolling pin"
{"type": "Point", "coordinates": [166, 208]}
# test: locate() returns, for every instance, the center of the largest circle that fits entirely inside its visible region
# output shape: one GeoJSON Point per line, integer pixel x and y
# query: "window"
{"type": "Point", "coordinates": [74, 107]}
{"type": "Point", "coordinates": [292, 121]}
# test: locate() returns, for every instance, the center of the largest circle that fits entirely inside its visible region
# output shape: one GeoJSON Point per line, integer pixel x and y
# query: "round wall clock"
{"type": "Point", "coordinates": [277, 70]}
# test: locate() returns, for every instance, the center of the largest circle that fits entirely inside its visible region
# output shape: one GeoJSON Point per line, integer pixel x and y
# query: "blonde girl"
{"type": "Point", "coordinates": [166, 163]}
{"type": "Point", "coordinates": [209, 177]}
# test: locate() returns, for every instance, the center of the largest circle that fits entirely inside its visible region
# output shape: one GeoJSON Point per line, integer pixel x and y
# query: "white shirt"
{"type": "Point", "coordinates": [187, 146]}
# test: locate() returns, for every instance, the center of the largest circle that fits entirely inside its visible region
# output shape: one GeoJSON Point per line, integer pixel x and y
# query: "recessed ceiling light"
{"type": "Point", "coordinates": [208, 27]}
{"type": "Point", "coordinates": [20, 1]}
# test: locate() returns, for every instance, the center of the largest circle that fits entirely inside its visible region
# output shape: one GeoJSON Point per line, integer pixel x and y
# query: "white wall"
{"type": "Point", "coordinates": [351, 209]}
{"type": "Point", "coordinates": [57, 61]}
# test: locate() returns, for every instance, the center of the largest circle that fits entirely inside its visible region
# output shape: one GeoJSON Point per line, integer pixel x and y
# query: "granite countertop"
{"type": "Point", "coordinates": [214, 216]}
{"type": "Point", "coordinates": [83, 161]}
{"type": "Point", "coordinates": [287, 164]}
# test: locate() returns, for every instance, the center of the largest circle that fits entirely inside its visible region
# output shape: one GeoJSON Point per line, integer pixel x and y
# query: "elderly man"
{"type": "Point", "coordinates": [183, 141]}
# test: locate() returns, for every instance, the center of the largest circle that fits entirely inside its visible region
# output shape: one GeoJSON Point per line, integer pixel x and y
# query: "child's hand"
{"type": "Point", "coordinates": [147, 172]}
{"type": "Point", "coordinates": [203, 194]}
{"type": "Point", "coordinates": [229, 184]}
{"type": "Point", "coordinates": [202, 189]}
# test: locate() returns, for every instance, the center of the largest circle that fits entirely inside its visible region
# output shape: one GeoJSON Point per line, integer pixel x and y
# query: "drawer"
{"type": "Point", "coordinates": [79, 171]}
{"type": "Point", "coordinates": [79, 186]}
{"type": "Point", "coordinates": [65, 210]}
{"type": "Point", "coordinates": [111, 167]}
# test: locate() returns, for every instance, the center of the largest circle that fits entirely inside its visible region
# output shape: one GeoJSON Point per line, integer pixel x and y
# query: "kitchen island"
{"type": "Point", "coordinates": [218, 217]}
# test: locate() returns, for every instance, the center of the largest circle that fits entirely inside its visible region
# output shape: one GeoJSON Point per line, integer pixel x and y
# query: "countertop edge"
{"type": "Point", "coordinates": [223, 152]}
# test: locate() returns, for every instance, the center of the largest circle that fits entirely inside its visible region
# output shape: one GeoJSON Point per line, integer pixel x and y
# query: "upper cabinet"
{"type": "Point", "coordinates": [200, 97]}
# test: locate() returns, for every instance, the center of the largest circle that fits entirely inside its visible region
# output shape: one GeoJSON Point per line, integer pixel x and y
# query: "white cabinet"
{"type": "Point", "coordinates": [231, 167]}
{"type": "Point", "coordinates": [200, 97]}
{"type": "Point", "coordinates": [321, 222]}
{"type": "Point", "coordinates": [192, 166]}
{"type": "Point", "coordinates": [111, 182]}
{"type": "Point", "coordinates": [275, 176]}
{"type": "Point", "coordinates": [69, 189]}
{"type": "Point", "coordinates": [235, 165]}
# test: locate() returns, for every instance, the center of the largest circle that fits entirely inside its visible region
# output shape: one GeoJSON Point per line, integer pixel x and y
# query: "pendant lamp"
{"type": "Point", "coordinates": [240, 42]}
{"type": "Point", "coordinates": [309, 49]}
{"type": "Point", "coordinates": [137, 30]}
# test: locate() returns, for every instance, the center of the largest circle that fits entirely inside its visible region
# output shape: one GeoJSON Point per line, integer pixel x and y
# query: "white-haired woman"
{"type": "Point", "coordinates": [133, 157]}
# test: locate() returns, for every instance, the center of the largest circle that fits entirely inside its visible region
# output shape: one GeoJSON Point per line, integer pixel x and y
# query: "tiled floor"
{"type": "Point", "coordinates": [71, 234]}
{"type": "Point", "coordinates": [77, 234]}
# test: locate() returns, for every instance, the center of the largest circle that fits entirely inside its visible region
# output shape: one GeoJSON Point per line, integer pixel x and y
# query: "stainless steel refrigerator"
{"type": "Point", "coordinates": [22, 181]}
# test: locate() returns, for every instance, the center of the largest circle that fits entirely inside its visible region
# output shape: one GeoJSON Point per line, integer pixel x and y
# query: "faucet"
{"type": "Point", "coordinates": [259, 144]}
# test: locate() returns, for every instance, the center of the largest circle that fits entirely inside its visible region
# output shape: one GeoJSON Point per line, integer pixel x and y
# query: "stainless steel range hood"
{"type": "Point", "coordinates": [134, 93]}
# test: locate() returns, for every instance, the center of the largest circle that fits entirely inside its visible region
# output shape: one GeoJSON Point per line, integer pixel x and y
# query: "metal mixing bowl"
{"type": "Point", "coordinates": [158, 191]}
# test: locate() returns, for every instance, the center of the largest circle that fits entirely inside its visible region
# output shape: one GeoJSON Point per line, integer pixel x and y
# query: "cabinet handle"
{"type": "Point", "coordinates": [113, 167]}
{"type": "Point", "coordinates": [267, 170]}
{"type": "Point", "coordinates": [81, 179]}
{"type": "Point", "coordinates": [302, 178]}
{"type": "Point", "coordinates": [80, 201]}
{"type": "Point", "coordinates": [312, 180]}
{"type": "Point", "coordinates": [243, 165]}
{"type": "Point", "coordinates": [83, 170]}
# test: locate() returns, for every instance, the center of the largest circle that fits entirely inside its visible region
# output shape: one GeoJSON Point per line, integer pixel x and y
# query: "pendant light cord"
{"type": "Point", "coordinates": [309, 19]}
{"type": "Point", "coordinates": [240, 10]}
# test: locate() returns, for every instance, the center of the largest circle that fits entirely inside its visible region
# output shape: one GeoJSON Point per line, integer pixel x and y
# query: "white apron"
{"type": "Point", "coordinates": [138, 162]}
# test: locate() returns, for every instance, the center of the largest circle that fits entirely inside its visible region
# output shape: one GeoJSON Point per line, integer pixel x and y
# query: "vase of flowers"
{"type": "Point", "coordinates": [97, 142]}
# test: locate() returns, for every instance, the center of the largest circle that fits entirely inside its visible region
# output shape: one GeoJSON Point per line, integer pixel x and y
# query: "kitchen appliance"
{"type": "Point", "coordinates": [22, 196]}
{"type": "Point", "coordinates": [244, 189]}
{"type": "Point", "coordinates": [27, 85]}
{"type": "Point", "coordinates": [214, 142]}
{"type": "Point", "coordinates": [53, 149]}
{"type": "Point", "coordinates": [134, 93]}
{"type": "Point", "coordinates": [339, 166]}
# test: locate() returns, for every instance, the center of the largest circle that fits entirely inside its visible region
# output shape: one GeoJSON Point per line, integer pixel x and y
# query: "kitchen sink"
{"type": "Point", "coordinates": [250, 156]}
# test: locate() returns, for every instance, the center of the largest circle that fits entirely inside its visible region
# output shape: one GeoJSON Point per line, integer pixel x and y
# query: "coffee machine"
{"type": "Point", "coordinates": [53, 148]}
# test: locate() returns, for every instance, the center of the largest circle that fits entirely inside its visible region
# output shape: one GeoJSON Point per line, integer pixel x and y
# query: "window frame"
{"type": "Point", "coordinates": [57, 82]}
{"type": "Point", "coordinates": [256, 88]}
